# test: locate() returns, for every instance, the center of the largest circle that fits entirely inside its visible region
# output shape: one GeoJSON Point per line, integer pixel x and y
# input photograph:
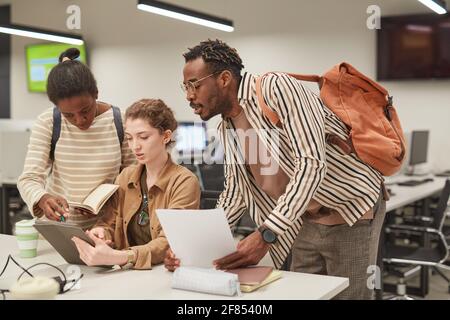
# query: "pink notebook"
{"type": "Point", "coordinates": [252, 275]}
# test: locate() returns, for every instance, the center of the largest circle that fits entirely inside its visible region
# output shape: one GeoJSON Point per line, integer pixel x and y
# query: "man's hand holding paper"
{"type": "Point", "coordinates": [249, 252]}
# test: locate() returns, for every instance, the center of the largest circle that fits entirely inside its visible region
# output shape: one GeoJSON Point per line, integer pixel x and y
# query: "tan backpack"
{"type": "Point", "coordinates": [376, 135]}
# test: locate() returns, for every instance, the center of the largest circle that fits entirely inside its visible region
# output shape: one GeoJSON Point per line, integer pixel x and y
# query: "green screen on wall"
{"type": "Point", "coordinates": [41, 58]}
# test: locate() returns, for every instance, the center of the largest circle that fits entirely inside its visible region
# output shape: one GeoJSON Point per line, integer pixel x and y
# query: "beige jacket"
{"type": "Point", "coordinates": [176, 188]}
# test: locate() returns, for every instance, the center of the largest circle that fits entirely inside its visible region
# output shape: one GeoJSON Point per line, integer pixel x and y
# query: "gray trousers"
{"type": "Point", "coordinates": [341, 250]}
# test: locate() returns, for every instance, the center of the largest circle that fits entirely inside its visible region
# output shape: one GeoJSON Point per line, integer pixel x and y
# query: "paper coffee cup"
{"type": "Point", "coordinates": [27, 238]}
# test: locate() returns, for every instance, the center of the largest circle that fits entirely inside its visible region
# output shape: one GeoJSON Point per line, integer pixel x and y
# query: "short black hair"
{"type": "Point", "coordinates": [218, 55]}
{"type": "Point", "coordinates": [70, 78]}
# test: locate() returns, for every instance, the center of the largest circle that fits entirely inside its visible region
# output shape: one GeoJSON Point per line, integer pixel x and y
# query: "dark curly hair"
{"type": "Point", "coordinates": [70, 78]}
{"type": "Point", "coordinates": [217, 55]}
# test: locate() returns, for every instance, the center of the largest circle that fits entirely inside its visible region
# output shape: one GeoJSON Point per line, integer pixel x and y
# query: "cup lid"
{"type": "Point", "coordinates": [25, 223]}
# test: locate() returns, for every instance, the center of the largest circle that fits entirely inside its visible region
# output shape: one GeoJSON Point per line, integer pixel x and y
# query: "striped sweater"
{"type": "Point", "coordinates": [83, 160]}
{"type": "Point", "coordinates": [317, 170]}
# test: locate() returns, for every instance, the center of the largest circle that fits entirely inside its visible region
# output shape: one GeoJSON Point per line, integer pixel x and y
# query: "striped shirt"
{"type": "Point", "coordinates": [317, 170]}
{"type": "Point", "coordinates": [84, 159]}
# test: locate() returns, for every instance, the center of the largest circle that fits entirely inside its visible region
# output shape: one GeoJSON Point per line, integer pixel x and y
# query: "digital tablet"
{"type": "Point", "coordinates": [59, 235]}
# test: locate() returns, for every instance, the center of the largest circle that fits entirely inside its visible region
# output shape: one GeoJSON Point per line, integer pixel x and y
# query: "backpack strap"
{"type": "Point", "coordinates": [345, 145]}
{"type": "Point", "coordinates": [56, 131]}
{"type": "Point", "coordinates": [307, 77]}
{"type": "Point", "coordinates": [269, 113]}
{"type": "Point", "coordinates": [272, 115]}
{"type": "Point", "coordinates": [57, 128]}
{"type": "Point", "coordinates": [118, 123]}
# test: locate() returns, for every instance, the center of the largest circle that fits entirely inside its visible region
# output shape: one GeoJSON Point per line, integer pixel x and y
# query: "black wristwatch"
{"type": "Point", "coordinates": [268, 235]}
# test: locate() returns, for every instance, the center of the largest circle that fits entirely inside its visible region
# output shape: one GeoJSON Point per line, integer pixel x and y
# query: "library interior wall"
{"type": "Point", "coordinates": [135, 54]}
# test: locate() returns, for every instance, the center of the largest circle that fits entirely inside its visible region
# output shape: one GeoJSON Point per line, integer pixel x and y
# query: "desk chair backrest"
{"type": "Point", "coordinates": [208, 199]}
{"type": "Point", "coordinates": [439, 219]}
{"type": "Point", "coordinates": [212, 176]}
{"type": "Point", "coordinates": [440, 212]}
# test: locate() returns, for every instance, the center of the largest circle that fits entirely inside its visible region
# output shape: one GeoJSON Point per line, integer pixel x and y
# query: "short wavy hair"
{"type": "Point", "coordinates": [155, 112]}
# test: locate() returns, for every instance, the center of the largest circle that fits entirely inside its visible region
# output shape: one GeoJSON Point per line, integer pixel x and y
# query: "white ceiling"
{"type": "Point", "coordinates": [388, 6]}
{"type": "Point", "coordinates": [250, 17]}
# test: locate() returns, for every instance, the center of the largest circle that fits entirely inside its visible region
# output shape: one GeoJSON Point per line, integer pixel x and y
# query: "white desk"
{"type": "Point", "coordinates": [404, 195]}
{"type": "Point", "coordinates": [154, 284]}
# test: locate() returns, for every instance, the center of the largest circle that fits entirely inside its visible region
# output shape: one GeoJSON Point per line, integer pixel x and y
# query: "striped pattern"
{"type": "Point", "coordinates": [83, 160]}
{"type": "Point", "coordinates": [27, 240]}
{"type": "Point", "coordinates": [317, 170]}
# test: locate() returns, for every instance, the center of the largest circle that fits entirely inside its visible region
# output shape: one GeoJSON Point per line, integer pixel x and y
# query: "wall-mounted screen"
{"type": "Point", "coordinates": [41, 58]}
{"type": "Point", "coordinates": [414, 47]}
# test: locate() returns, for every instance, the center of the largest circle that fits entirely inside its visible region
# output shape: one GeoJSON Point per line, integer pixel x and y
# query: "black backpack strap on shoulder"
{"type": "Point", "coordinates": [118, 123]}
{"type": "Point", "coordinates": [55, 132]}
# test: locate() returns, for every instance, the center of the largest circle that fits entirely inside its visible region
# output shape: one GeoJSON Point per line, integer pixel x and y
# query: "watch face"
{"type": "Point", "coordinates": [269, 236]}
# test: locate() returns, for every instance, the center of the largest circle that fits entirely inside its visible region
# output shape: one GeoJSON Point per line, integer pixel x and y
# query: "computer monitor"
{"type": "Point", "coordinates": [191, 138]}
{"type": "Point", "coordinates": [419, 147]}
{"type": "Point", "coordinates": [41, 58]}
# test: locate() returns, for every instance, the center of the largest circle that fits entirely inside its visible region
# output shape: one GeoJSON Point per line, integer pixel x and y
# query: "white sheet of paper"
{"type": "Point", "coordinates": [197, 237]}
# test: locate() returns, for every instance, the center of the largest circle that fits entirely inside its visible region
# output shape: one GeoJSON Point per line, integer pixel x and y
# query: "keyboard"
{"type": "Point", "coordinates": [412, 183]}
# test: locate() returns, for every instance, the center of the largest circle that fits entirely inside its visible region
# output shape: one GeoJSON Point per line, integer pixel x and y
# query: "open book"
{"type": "Point", "coordinates": [96, 199]}
{"type": "Point", "coordinates": [252, 278]}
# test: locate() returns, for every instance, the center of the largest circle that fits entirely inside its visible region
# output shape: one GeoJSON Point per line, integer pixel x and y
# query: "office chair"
{"type": "Point", "coordinates": [208, 199]}
{"type": "Point", "coordinates": [426, 220]}
{"type": "Point", "coordinates": [433, 253]}
{"type": "Point", "coordinates": [191, 167]}
{"type": "Point", "coordinates": [446, 230]}
{"type": "Point", "coordinates": [212, 176]}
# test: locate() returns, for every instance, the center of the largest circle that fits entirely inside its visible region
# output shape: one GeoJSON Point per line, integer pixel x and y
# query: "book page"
{"type": "Point", "coordinates": [77, 205]}
{"type": "Point", "coordinates": [97, 198]}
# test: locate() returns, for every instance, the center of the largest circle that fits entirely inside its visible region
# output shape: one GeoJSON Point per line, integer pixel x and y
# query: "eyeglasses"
{"type": "Point", "coordinates": [191, 86]}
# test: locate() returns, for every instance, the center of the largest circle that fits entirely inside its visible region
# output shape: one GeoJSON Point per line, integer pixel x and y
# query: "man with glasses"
{"type": "Point", "coordinates": [320, 203]}
{"type": "Point", "coordinates": [191, 86]}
